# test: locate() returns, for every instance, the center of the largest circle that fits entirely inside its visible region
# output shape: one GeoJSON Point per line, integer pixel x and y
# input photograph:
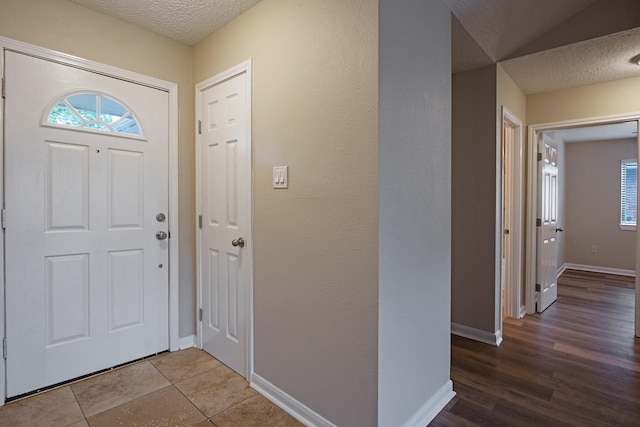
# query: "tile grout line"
{"type": "Point", "coordinates": [173, 384]}
{"type": "Point", "coordinates": [202, 373]}
{"type": "Point", "coordinates": [79, 406]}
{"type": "Point", "coordinates": [192, 404]}
{"type": "Point", "coordinates": [128, 401]}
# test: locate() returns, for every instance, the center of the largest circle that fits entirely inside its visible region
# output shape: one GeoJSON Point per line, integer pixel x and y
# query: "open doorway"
{"type": "Point", "coordinates": [591, 154]}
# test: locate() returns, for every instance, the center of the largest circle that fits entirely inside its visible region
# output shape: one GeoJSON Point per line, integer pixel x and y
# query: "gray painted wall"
{"type": "Point", "coordinates": [473, 158]}
{"type": "Point", "coordinates": [414, 206]}
{"type": "Point", "coordinates": [592, 172]}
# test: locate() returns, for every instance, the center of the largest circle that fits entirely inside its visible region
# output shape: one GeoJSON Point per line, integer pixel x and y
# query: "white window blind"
{"type": "Point", "coordinates": [628, 192]}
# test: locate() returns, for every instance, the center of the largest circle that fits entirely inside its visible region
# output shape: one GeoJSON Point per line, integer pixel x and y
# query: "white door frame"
{"type": "Point", "coordinates": [532, 188]}
{"type": "Point", "coordinates": [515, 199]}
{"type": "Point", "coordinates": [107, 70]}
{"type": "Point", "coordinates": [244, 67]}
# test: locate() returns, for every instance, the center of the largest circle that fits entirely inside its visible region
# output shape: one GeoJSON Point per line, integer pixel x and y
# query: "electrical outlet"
{"type": "Point", "coordinates": [594, 249]}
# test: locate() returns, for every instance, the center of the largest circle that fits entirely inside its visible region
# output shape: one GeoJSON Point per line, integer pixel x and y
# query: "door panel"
{"type": "Point", "coordinates": [126, 183]}
{"type": "Point", "coordinates": [67, 298]}
{"type": "Point", "coordinates": [225, 191]}
{"type": "Point", "coordinates": [67, 187]}
{"type": "Point", "coordinates": [86, 278]}
{"type": "Point", "coordinates": [126, 289]}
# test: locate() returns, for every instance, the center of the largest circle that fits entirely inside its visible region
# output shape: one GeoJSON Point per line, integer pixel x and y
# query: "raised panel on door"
{"type": "Point", "coordinates": [214, 160]}
{"type": "Point", "coordinates": [126, 189]}
{"type": "Point", "coordinates": [213, 285]}
{"type": "Point", "coordinates": [126, 289]}
{"type": "Point", "coordinates": [231, 165]}
{"type": "Point", "coordinates": [233, 289]}
{"type": "Point", "coordinates": [67, 298]}
{"type": "Point", "coordinates": [67, 187]}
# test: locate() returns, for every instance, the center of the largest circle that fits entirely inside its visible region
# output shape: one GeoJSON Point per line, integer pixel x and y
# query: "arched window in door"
{"type": "Point", "coordinates": [93, 112]}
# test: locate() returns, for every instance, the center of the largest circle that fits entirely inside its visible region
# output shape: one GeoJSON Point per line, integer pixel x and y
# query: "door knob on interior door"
{"type": "Point", "coordinates": [238, 242]}
{"type": "Point", "coordinates": [161, 235]}
{"type": "Point", "coordinates": [559, 229]}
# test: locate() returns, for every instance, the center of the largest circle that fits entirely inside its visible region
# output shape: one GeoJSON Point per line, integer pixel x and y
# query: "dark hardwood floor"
{"type": "Point", "coordinates": [576, 364]}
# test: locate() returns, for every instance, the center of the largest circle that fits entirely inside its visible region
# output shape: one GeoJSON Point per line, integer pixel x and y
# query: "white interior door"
{"type": "Point", "coordinates": [546, 283]}
{"type": "Point", "coordinates": [225, 203]}
{"type": "Point", "coordinates": [511, 215]}
{"type": "Point", "coordinates": [86, 275]}
{"type": "Point", "coordinates": [506, 219]}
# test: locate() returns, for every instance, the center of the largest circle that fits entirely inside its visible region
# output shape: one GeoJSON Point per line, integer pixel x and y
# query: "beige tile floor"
{"type": "Point", "coordinates": [184, 388]}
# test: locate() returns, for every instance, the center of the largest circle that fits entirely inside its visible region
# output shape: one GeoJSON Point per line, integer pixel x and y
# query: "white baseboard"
{"type": "Point", "coordinates": [476, 334]}
{"type": "Point", "coordinates": [432, 407]}
{"type": "Point", "coordinates": [187, 342]}
{"type": "Point", "coordinates": [597, 269]}
{"type": "Point", "coordinates": [523, 311]}
{"type": "Point", "coordinates": [561, 270]}
{"type": "Point", "coordinates": [289, 404]}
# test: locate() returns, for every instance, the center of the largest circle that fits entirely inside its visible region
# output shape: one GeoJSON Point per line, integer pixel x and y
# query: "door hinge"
{"type": "Point", "coordinates": [4, 88]}
{"type": "Point", "coordinates": [200, 314]}
{"type": "Point", "coordinates": [539, 157]}
{"type": "Point", "coordinates": [199, 221]}
{"type": "Point", "coordinates": [3, 218]}
{"type": "Point", "coordinates": [538, 222]}
{"type": "Point", "coordinates": [4, 347]}
{"type": "Point", "coordinates": [199, 127]}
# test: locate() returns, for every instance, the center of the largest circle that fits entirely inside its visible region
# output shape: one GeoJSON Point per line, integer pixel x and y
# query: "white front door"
{"type": "Point", "coordinates": [546, 283]}
{"type": "Point", "coordinates": [224, 153]}
{"type": "Point", "coordinates": [86, 173]}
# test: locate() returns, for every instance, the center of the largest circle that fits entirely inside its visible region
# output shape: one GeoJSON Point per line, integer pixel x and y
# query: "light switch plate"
{"type": "Point", "coordinates": [280, 177]}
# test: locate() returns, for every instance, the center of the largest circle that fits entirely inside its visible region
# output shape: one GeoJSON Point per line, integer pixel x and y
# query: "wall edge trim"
{"type": "Point", "coordinates": [494, 339]}
{"type": "Point", "coordinates": [186, 342]}
{"type": "Point", "coordinates": [523, 311]}
{"type": "Point", "coordinates": [432, 407]}
{"type": "Point", "coordinates": [288, 403]}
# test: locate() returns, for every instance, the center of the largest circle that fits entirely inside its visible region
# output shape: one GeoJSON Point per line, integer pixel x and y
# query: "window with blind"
{"type": "Point", "coordinates": [628, 194]}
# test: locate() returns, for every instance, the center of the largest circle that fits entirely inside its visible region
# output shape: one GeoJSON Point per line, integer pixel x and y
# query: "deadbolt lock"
{"type": "Point", "coordinates": [160, 217]}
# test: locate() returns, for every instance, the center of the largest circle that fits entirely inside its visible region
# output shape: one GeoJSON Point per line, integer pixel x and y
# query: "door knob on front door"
{"type": "Point", "coordinates": [238, 242]}
{"type": "Point", "coordinates": [161, 235]}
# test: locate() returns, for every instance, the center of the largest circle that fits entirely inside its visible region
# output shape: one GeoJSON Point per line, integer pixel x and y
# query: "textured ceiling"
{"type": "Point", "coordinates": [625, 130]}
{"type": "Point", "coordinates": [592, 61]}
{"type": "Point", "coordinates": [466, 53]}
{"type": "Point", "coordinates": [547, 45]}
{"type": "Point", "coordinates": [483, 32]}
{"type": "Point", "coordinates": [501, 27]}
{"type": "Point", "coordinates": [187, 21]}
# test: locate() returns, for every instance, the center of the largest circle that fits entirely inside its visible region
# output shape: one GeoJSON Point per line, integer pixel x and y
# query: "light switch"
{"type": "Point", "coordinates": [281, 177]}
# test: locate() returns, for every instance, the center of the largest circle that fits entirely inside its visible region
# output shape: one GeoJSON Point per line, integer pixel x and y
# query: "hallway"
{"type": "Point", "coordinates": [575, 364]}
